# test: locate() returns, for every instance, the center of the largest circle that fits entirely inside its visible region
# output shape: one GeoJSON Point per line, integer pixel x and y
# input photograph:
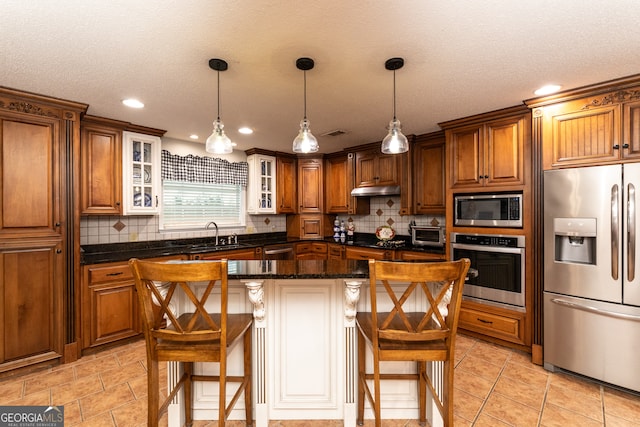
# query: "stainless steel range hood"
{"type": "Point", "coordinates": [389, 190]}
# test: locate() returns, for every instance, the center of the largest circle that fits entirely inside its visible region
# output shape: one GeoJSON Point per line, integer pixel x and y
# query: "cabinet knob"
{"type": "Point", "coordinates": [58, 224]}
{"type": "Point", "coordinates": [486, 176]}
{"type": "Point", "coordinates": [117, 203]}
{"type": "Point", "coordinates": [58, 251]}
{"type": "Point", "coordinates": [616, 146]}
{"type": "Point", "coordinates": [625, 145]}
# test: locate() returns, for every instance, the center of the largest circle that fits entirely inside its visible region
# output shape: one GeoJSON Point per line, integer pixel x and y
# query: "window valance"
{"type": "Point", "coordinates": [211, 170]}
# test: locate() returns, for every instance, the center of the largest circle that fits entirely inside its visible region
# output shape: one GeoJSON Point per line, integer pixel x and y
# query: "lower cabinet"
{"type": "Point", "coordinates": [493, 322]}
{"type": "Point", "coordinates": [246, 254]}
{"type": "Point", "coordinates": [352, 252]}
{"type": "Point", "coordinates": [414, 255]}
{"type": "Point", "coordinates": [109, 309]}
{"type": "Point", "coordinates": [311, 250]}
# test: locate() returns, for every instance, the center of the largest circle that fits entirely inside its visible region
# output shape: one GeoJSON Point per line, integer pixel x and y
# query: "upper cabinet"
{"type": "Point", "coordinates": [310, 185]}
{"type": "Point", "coordinates": [590, 126]}
{"type": "Point", "coordinates": [262, 194]}
{"type": "Point", "coordinates": [101, 166]}
{"type": "Point", "coordinates": [376, 169]}
{"type": "Point", "coordinates": [429, 177]}
{"type": "Point", "coordinates": [338, 183]}
{"type": "Point", "coordinates": [286, 188]}
{"type": "Point", "coordinates": [103, 174]}
{"type": "Point", "coordinates": [141, 176]}
{"type": "Point", "coordinates": [488, 150]}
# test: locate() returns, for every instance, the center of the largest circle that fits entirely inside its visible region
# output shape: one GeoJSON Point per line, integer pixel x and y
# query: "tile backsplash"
{"type": "Point", "coordinates": [117, 229]}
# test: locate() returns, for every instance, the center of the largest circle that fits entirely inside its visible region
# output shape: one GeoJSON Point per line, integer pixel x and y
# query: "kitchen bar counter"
{"type": "Point", "coordinates": [304, 344]}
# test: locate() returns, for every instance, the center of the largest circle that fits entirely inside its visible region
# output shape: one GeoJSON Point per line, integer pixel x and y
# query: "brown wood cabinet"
{"type": "Point", "coordinates": [287, 183]}
{"type": "Point", "coordinates": [338, 183]}
{"type": "Point", "coordinates": [101, 166]}
{"type": "Point", "coordinates": [336, 251]}
{"type": "Point", "coordinates": [429, 174]}
{"type": "Point", "coordinates": [39, 226]}
{"type": "Point", "coordinates": [376, 169]}
{"type": "Point", "coordinates": [493, 322]}
{"type": "Point", "coordinates": [598, 129]}
{"type": "Point", "coordinates": [310, 185]}
{"type": "Point", "coordinates": [311, 250]}
{"type": "Point", "coordinates": [354, 252]}
{"type": "Point", "coordinates": [418, 256]}
{"type": "Point", "coordinates": [245, 253]}
{"type": "Point", "coordinates": [109, 303]}
{"type": "Point", "coordinates": [488, 150]}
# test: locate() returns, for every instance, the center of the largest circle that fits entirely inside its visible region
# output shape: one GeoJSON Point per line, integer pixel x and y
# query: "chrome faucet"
{"type": "Point", "coordinates": [206, 227]}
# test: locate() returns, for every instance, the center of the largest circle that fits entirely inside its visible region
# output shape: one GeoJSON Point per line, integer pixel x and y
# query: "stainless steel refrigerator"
{"type": "Point", "coordinates": [592, 272]}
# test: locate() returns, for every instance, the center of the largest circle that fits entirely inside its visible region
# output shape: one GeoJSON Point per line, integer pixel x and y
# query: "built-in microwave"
{"type": "Point", "coordinates": [488, 210]}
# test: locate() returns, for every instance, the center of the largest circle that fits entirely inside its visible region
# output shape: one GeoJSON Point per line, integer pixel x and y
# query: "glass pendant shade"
{"type": "Point", "coordinates": [305, 142]}
{"type": "Point", "coordinates": [395, 142]}
{"type": "Point", "coordinates": [218, 142]}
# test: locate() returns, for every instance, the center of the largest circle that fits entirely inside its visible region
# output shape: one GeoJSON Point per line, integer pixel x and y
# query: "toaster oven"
{"type": "Point", "coordinates": [428, 236]}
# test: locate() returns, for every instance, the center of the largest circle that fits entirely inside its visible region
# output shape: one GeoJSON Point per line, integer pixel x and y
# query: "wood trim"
{"type": "Point", "coordinates": [537, 333]}
{"type": "Point", "coordinates": [485, 117]}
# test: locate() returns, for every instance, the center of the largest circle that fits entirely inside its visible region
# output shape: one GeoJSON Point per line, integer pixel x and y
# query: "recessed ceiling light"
{"type": "Point", "coordinates": [133, 103]}
{"type": "Point", "coordinates": [194, 136]}
{"type": "Point", "coordinates": [548, 90]}
{"type": "Point", "coordinates": [245, 130]}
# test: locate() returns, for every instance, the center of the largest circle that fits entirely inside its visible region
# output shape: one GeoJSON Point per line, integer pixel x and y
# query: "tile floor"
{"type": "Point", "coordinates": [494, 387]}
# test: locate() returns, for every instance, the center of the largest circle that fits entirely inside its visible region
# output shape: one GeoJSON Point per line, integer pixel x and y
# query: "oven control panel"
{"type": "Point", "coordinates": [489, 240]}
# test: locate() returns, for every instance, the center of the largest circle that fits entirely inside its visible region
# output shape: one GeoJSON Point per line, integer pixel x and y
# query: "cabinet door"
{"type": "Point", "coordinates": [262, 195]}
{"type": "Point", "coordinates": [337, 188]}
{"type": "Point", "coordinates": [503, 154]}
{"type": "Point", "coordinates": [465, 156]}
{"type": "Point", "coordinates": [429, 167]}
{"type": "Point", "coordinates": [141, 174]}
{"type": "Point", "coordinates": [242, 254]}
{"type": "Point", "coordinates": [30, 189]}
{"type": "Point", "coordinates": [310, 186]}
{"type": "Point", "coordinates": [32, 281]}
{"type": "Point", "coordinates": [578, 133]}
{"type": "Point", "coordinates": [101, 170]}
{"type": "Point", "coordinates": [631, 130]}
{"type": "Point", "coordinates": [311, 227]}
{"type": "Point", "coordinates": [368, 253]}
{"type": "Point", "coordinates": [376, 169]}
{"type": "Point", "coordinates": [387, 169]}
{"type": "Point", "coordinates": [286, 171]}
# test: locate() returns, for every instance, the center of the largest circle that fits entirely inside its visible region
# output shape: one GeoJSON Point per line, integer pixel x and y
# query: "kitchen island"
{"type": "Point", "coordinates": [304, 345]}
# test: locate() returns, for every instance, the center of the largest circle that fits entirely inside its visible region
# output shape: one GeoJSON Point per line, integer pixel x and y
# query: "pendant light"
{"type": "Point", "coordinates": [395, 142]}
{"type": "Point", "coordinates": [305, 142]}
{"type": "Point", "coordinates": [218, 142]}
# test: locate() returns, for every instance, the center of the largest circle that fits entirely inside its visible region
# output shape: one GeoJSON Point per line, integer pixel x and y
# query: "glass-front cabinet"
{"type": "Point", "coordinates": [262, 184]}
{"type": "Point", "coordinates": [140, 174]}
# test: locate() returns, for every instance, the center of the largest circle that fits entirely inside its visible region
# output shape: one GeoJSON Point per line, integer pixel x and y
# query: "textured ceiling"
{"type": "Point", "coordinates": [461, 58]}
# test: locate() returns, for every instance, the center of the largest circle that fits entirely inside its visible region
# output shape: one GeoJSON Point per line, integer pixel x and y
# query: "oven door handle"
{"type": "Point", "coordinates": [485, 248]}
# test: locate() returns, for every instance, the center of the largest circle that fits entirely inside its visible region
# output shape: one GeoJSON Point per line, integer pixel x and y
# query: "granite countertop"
{"type": "Point", "coordinates": [113, 252]}
{"type": "Point", "coordinates": [305, 269]}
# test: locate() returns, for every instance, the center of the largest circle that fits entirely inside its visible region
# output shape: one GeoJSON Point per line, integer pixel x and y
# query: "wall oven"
{"type": "Point", "coordinates": [500, 263]}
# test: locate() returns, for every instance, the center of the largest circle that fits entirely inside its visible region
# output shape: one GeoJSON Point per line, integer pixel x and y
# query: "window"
{"type": "Point", "coordinates": [191, 205]}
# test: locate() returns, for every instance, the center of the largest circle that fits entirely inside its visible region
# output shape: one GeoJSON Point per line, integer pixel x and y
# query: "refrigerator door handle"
{"type": "Point", "coordinates": [596, 310]}
{"type": "Point", "coordinates": [615, 215]}
{"type": "Point", "coordinates": [631, 229]}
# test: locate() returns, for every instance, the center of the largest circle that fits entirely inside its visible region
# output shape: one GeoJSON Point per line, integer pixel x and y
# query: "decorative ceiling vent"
{"type": "Point", "coordinates": [336, 132]}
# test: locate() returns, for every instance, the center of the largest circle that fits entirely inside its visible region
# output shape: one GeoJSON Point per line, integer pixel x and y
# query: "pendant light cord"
{"type": "Point", "coordinates": [305, 93]}
{"type": "Point", "coordinates": [219, 95]}
{"type": "Point", "coordinates": [394, 95]}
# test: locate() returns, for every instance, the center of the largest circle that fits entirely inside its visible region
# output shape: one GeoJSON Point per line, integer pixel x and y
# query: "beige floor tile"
{"type": "Point", "coordinates": [622, 405]}
{"type": "Point", "coordinates": [575, 401]}
{"type": "Point", "coordinates": [74, 390]}
{"type": "Point", "coordinates": [39, 398]}
{"type": "Point", "coordinates": [466, 405]}
{"type": "Point", "coordinates": [613, 421]}
{"type": "Point", "coordinates": [520, 392]}
{"type": "Point", "coordinates": [139, 386]}
{"type": "Point", "coordinates": [510, 411]}
{"type": "Point", "coordinates": [11, 390]}
{"type": "Point", "coordinates": [480, 367]}
{"type": "Point", "coordinates": [532, 374]}
{"type": "Point", "coordinates": [49, 379]}
{"type": "Point", "coordinates": [131, 414]}
{"type": "Point", "coordinates": [101, 420]}
{"type": "Point", "coordinates": [473, 384]}
{"type": "Point", "coordinates": [485, 420]}
{"type": "Point", "coordinates": [520, 357]}
{"type": "Point", "coordinates": [72, 413]}
{"type": "Point", "coordinates": [121, 374]}
{"type": "Point", "coordinates": [577, 384]}
{"type": "Point", "coordinates": [490, 352]}
{"type": "Point", "coordinates": [461, 422]}
{"type": "Point", "coordinates": [106, 400]}
{"type": "Point", "coordinates": [555, 416]}
{"type": "Point", "coordinates": [85, 368]}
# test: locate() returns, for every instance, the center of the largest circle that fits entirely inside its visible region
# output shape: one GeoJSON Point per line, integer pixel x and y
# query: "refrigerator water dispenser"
{"type": "Point", "coordinates": [575, 240]}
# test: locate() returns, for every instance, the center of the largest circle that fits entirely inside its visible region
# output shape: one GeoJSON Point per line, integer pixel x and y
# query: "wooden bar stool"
{"type": "Point", "coordinates": [399, 335]}
{"type": "Point", "coordinates": [198, 336]}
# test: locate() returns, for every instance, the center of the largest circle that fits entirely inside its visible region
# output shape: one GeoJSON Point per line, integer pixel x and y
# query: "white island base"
{"type": "Point", "coordinates": [304, 356]}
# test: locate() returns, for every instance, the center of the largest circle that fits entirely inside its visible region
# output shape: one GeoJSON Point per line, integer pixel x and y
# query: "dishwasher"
{"type": "Point", "coordinates": [278, 252]}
